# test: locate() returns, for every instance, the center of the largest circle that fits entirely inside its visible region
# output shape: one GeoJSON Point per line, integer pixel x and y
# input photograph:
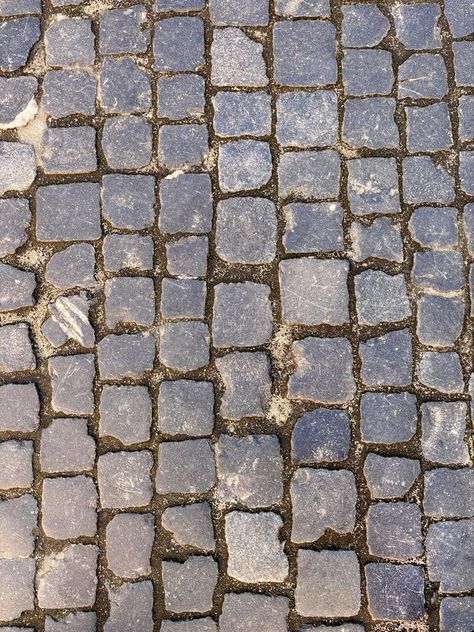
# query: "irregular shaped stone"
{"type": "Point", "coordinates": [73, 622]}
{"type": "Point", "coordinates": [434, 227]}
{"type": "Point", "coordinates": [66, 446]}
{"type": "Point", "coordinates": [17, 100]}
{"type": "Point", "coordinates": [422, 76]}
{"type": "Point", "coordinates": [388, 417]}
{"type": "Point", "coordinates": [129, 540]}
{"type": "Point", "coordinates": [16, 352]}
{"type": "Point", "coordinates": [443, 428]}
{"type": "Point", "coordinates": [387, 359]}
{"type": "Point", "coordinates": [394, 530]}
{"type": "Point", "coordinates": [390, 477]}
{"type": "Point", "coordinates": [461, 23]}
{"type": "Point", "coordinates": [313, 227]}
{"type": "Point", "coordinates": [128, 252]}
{"type": "Point", "coordinates": [381, 297]}
{"type": "Point", "coordinates": [373, 186]}
{"type": "Point", "coordinates": [69, 150]}
{"type": "Point", "coordinates": [441, 371]}
{"type": "Point", "coordinates": [17, 587]}
{"type": "Point", "coordinates": [127, 142]}
{"type": "Point", "coordinates": [19, 407]}
{"type": "Point", "coordinates": [70, 41]}
{"type": "Point", "coordinates": [363, 25]}
{"type": "Point", "coordinates": [69, 507]}
{"type": "Point", "coordinates": [71, 91]}
{"type": "Point", "coordinates": [395, 592]}
{"type": "Point", "coordinates": [70, 319]}
{"type": "Point", "coordinates": [254, 548]}
{"type": "Point", "coordinates": [186, 407]}
{"type": "Point", "coordinates": [180, 97]}
{"type": "Point", "coordinates": [189, 586]}
{"type": "Point", "coordinates": [185, 203]}
{"type": "Point", "coordinates": [456, 614]}
{"type": "Point", "coordinates": [131, 607]}
{"type": "Point", "coordinates": [449, 551]}
{"type": "Point", "coordinates": [307, 119]}
{"type": "Point", "coordinates": [17, 165]}
{"type": "Point", "coordinates": [16, 41]}
{"type": "Point", "coordinates": [129, 300]}
{"type": "Point", "coordinates": [244, 165]}
{"type": "Point", "coordinates": [424, 181]}
{"type": "Point", "coordinates": [449, 493]}
{"type": "Point", "coordinates": [124, 479]}
{"type": "Point", "coordinates": [15, 218]}
{"type": "Point", "coordinates": [323, 370]}
{"type": "Point", "coordinates": [190, 525]}
{"type": "Point", "coordinates": [185, 467]}
{"type": "Point", "coordinates": [17, 464]}
{"type": "Point", "coordinates": [322, 500]}
{"type": "Point", "coordinates": [249, 612]}
{"type": "Point", "coordinates": [237, 60]}
{"type": "Point", "coordinates": [367, 72]}
{"type": "Point", "coordinates": [417, 25]}
{"type": "Point", "coordinates": [370, 123]}
{"type": "Point", "coordinates": [247, 13]}
{"type": "Point", "coordinates": [126, 355]}
{"type": "Point", "coordinates": [187, 257]}
{"type": "Point", "coordinates": [72, 381]}
{"type": "Point", "coordinates": [72, 267]}
{"type": "Point", "coordinates": [182, 146]}
{"type": "Point", "coordinates": [428, 127]}
{"type": "Point", "coordinates": [309, 174]}
{"type": "Point", "coordinates": [463, 72]}
{"type": "Point", "coordinates": [125, 413]}
{"type": "Point", "coordinates": [184, 345]}
{"type": "Point", "coordinates": [123, 86]}
{"type": "Point", "coordinates": [16, 288]}
{"type": "Point", "coordinates": [381, 240]}
{"type": "Point", "coordinates": [242, 113]}
{"type": "Point", "coordinates": [18, 526]}
{"type": "Point", "coordinates": [124, 31]}
{"type": "Point", "coordinates": [169, 54]}
{"type": "Point", "coordinates": [321, 435]}
{"type": "Point", "coordinates": [328, 584]}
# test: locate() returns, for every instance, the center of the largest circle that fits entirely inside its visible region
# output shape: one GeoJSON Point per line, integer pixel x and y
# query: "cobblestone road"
{"type": "Point", "coordinates": [236, 301]}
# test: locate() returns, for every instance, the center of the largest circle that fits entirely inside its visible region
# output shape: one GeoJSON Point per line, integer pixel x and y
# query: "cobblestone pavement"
{"type": "Point", "coordinates": [236, 301]}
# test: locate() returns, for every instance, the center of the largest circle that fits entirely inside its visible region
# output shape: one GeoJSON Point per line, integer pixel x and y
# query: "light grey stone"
{"type": "Point", "coordinates": [124, 30]}
{"type": "Point", "coordinates": [313, 227]}
{"type": "Point", "coordinates": [129, 300]}
{"type": "Point", "coordinates": [390, 477]}
{"type": "Point", "coordinates": [187, 257]}
{"type": "Point", "coordinates": [449, 551]}
{"type": "Point", "coordinates": [66, 446]}
{"type": "Point", "coordinates": [190, 525]}
{"type": "Point", "coordinates": [441, 371]}
{"type": "Point", "coordinates": [345, 627]}
{"type": "Point", "coordinates": [69, 320]}
{"type": "Point", "coordinates": [388, 417]}
{"type": "Point", "coordinates": [17, 166]}
{"type": "Point", "coordinates": [307, 119]}
{"type": "Point", "coordinates": [363, 25]}
{"type": "Point", "coordinates": [246, 13]}
{"type": "Point", "coordinates": [178, 5]}
{"type": "Point", "coordinates": [128, 252]}
{"type": "Point", "coordinates": [422, 76]}
{"type": "Point", "coordinates": [18, 38]}
{"type": "Point", "coordinates": [72, 381]}
{"type": "Point", "coordinates": [321, 435]}
{"type": "Point", "coordinates": [15, 219]}
{"type": "Point", "coordinates": [125, 413]}
{"type": "Point", "coordinates": [126, 355]}
{"type": "Point", "coordinates": [180, 97]}
{"type": "Point", "coordinates": [168, 50]}
{"type": "Point", "coordinates": [250, 612]}
{"type": "Point", "coordinates": [395, 592]}
{"type": "Point", "coordinates": [17, 100]}
{"type": "Point", "coordinates": [381, 297]}
{"type": "Point", "coordinates": [237, 60]}
{"type": "Point", "coordinates": [370, 123]}
{"type": "Point", "coordinates": [16, 352]}
{"type": "Point", "coordinates": [449, 493]}
{"type": "Point", "coordinates": [19, 407]}
{"type": "Point", "coordinates": [16, 288]}
{"type": "Point", "coordinates": [303, 8]}
{"type": "Point", "coordinates": [69, 507]}
{"type": "Point", "coordinates": [184, 345]}
{"type": "Point", "coordinates": [428, 128]}
{"type": "Point", "coordinates": [69, 150]}
{"type": "Point", "coordinates": [124, 87]}
{"type": "Point", "coordinates": [69, 42]}
{"type": "Point", "coordinates": [17, 464]}
{"type": "Point", "coordinates": [17, 587]}
{"type": "Point", "coordinates": [439, 270]}
{"type": "Point", "coordinates": [72, 267]}
{"type": "Point", "coordinates": [129, 540]}
{"type": "Point", "coordinates": [131, 607]}
{"type": "Point", "coordinates": [189, 586]}
{"type": "Point", "coordinates": [417, 25]}
{"type": "Point", "coordinates": [387, 359]}
{"type": "Point", "coordinates": [124, 479]}
{"type": "Point", "coordinates": [309, 174]}
{"type": "Point", "coordinates": [373, 186]}
{"type": "Point", "coordinates": [443, 428]}
{"type": "Point", "coordinates": [127, 142]}
{"type": "Point", "coordinates": [185, 467]}
{"type": "Point", "coordinates": [203, 624]}
{"type": "Point", "coordinates": [186, 203]}
{"type": "Point", "coordinates": [242, 113]}
{"type": "Point", "coordinates": [367, 72]}
{"type": "Point", "coordinates": [73, 622]}
{"type": "Point", "coordinates": [394, 530]}
{"type": "Point", "coordinates": [381, 240]}
{"type": "Point", "coordinates": [460, 17]}
{"type": "Point", "coordinates": [186, 407]}
{"type": "Point", "coordinates": [456, 614]}
{"type": "Point", "coordinates": [18, 526]}
{"type": "Point", "coordinates": [434, 227]}
{"type": "Point", "coordinates": [182, 146]}
{"type": "Point", "coordinates": [244, 165]}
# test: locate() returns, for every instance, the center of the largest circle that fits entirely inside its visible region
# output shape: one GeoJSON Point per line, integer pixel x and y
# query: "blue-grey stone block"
{"type": "Point", "coordinates": [373, 186]}
{"type": "Point", "coordinates": [182, 299]}
{"type": "Point", "coordinates": [466, 171]}
{"type": "Point", "coordinates": [305, 8]}
{"type": "Point", "coordinates": [387, 360]}
{"type": "Point", "coordinates": [127, 142]}
{"type": "Point", "coordinates": [237, 59]}
{"type": "Point", "coordinates": [187, 257]}
{"type": "Point", "coordinates": [186, 204]}
{"type": "Point", "coordinates": [71, 91]}
{"type": "Point", "coordinates": [395, 592]}
{"type": "Point", "coordinates": [460, 16]}
{"type": "Point", "coordinates": [313, 227]}
{"type": "Point", "coordinates": [390, 476]}
{"type": "Point", "coordinates": [468, 223]}
{"type": "Point", "coordinates": [439, 270]}
{"type": "Point", "coordinates": [244, 165]}
{"type": "Point", "coordinates": [178, 44]}
{"type": "Point", "coordinates": [321, 435]}
{"type": "Point", "coordinates": [449, 493]}
{"type": "Point", "coordinates": [441, 371]}
{"type": "Point", "coordinates": [428, 128]}
{"type": "Point", "coordinates": [381, 240]}
{"type": "Point", "coordinates": [434, 227]}
{"type": "Point", "coordinates": [242, 114]}
{"type": "Point", "coordinates": [245, 12]}
{"type": "Point", "coordinates": [69, 41]}
{"type": "Point", "coordinates": [466, 117]}
{"type": "Point", "coordinates": [394, 530]}
{"type": "Point", "coordinates": [456, 614]}
{"type": "Point", "coordinates": [124, 31]}
{"type": "Point", "coordinates": [440, 320]}
{"type": "Point", "coordinates": [309, 174]}
{"type": "Point", "coordinates": [367, 72]}
{"type": "Point", "coordinates": [449, 553]}
{"type": "Point", "coordinates": [180, 97]}
{"type": "Point", "coordinates": [443, 429]}
{"type": "Point", "coordinates": [128, 200]}
{"type": "Point", "coordinates": [424, 181]}
{"type": "Point", "coordinates": [422, 76]}
{"type": "Point", "coordinates": [123, 86]}
{"type": "Point", "coordinates": [18, 36]}
{"type": "Point", "coordinates": [307, 119]}
{"type": "Point", "coordinates": [381, 297]}
{"type": "Point", "coordinates": [417, 26]}
{"type": "Point", "coordinates": [363, 25]}
{"type": "Point", "coordinates": [388, 417]}
{"type": "Point", "coordinates": [370, 123]}
{"type": "Point", "coordinates": [182, 145]}
{"type": "Point", "coordinates": [463, 66]}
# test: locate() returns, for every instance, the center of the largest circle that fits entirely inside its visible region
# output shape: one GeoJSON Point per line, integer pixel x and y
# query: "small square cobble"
{"type": "Point", "coordinates": [180, 97]}
{"type": "Point", "coordinates": [395, 592]}
{"type": "Point", "coordinates": [129, 300]}
{"type": "Point", "coordinates": [124, 479]}
{"type": "Point", "coordinates": [67, 446]}
{"type": "Point", "coordinates": [69, 91]}
{"type": "Point", "coordinates": [124, 88]}
{"type": "Point", "coordinates": [127, 142]}
{"type": "Point", "coordinates": [189, 586]}
{"type": "Point", "coordinates": [126, 355]}
{"type": "Point", "coordinates": [69, 507]}
{"type": "Point", "coordinates": [168, 50]}
{"type": "Point", "coordinates": [387, 359]}
{"type": "Point", "coordinates": [422, 76]}
{"type": "Point", "coordinates": [190, 525]}
{"type": "Point", "coordinates": [186, 204]}
{"type": "Point", "coordinates": [182, 145]}
{"type": "Point", "coordinates": [244, 165]}
{"type": "Point", "coordinates": [18, 526]}
{"type": "Point", "coordinates": [128, 252]}
{"type": "Point", "coordinates": [70, 41]}
{"type": "Point", "coordinates": [124, 31]}
{"type": "Point", "coordinates": [309, 174]}
{"type": "Point", "coordinates": [130, 602]}
{"type": "Point", "coordinates": [125, 413]}
{"type": "Point", "coordinates": [186, 407]}
{"type": "Point", "coordinates": [249, 612]}
{"type": "Point", "coordinates": [394, 530]}
{"type": "Point", "coordinates": [128, 200]}
{"type": "Point", "coordinates": [367, 72]}
{"type": "Point", "coordinates": [307, 119]}
{"type": "Point", "coordinates": [388, 417]}
{"type": "Point", "coordinates": [242, 113]}
{"type": "Point", "coordinates": [313, 227]}
{"type": "Point", "coordinates": [373, 186]}
{"type": "Point", "coordinates": [17, 459]}
{"type": "Point", "coordinates": [417, 26]}
{"type": "Point", "coordinates": [370, 123]}
{"type": "Point", "coordinates": [184, 346]}
{"type": "Point", "coordinates": [187, 257]}
{"type": "Point", "coordinates": [321, 435]}
{"type": "Point", "coordinates": [129, 540]}
{"type": "Point", "coordinates": [363, 25]}
{"type": "Point", "coordinates": [237, 59]}
{"type": "Point", "coordinates": [185, 467]}
{"type": "Point", "coordinates": [69, 150]}
{"type": "Point", "coordinates": [72, 380]}
{"type": "Point", "coordinates": [390, 477]}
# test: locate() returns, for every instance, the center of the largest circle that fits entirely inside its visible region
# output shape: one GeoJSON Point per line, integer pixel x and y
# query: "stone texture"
{"type": "Point", "coordinates": [67, 446]}
{"type": "Point", "coordinates": [17, 466]}
{"type": "Point", "coordinates": [16, 352]}
{"type": "Point", "coordinates": [69, 42]}
{"type": "Point", "coordinates": [237, 59]}
{"type": "Point", "coordinates": [189, 586]}
{"type": "Point", "coordinates": [462, 66]}
{"type": "Point", "coordinates": [424, 181]}
{"type": "Point", "coordinates": [395, 592]}
{"type": "Point", "coordinates": [187, 257]}
{"type": "Point", "coordinates": [367, 72]}
{"type": "Point", "coordinates": [72, 379]}
{"type": "Point", "coordinates": [18, 526]}
{"type": "Point", "coordinates": [370, 123]}
{"type": "Point", "coordinates": [428, 128]}
{"type": "Point", "coordinates": [387, 359]}
{"type": "Point", "coordinates": [244, 165]}
{"type": "Point", "coordinates": [363, 25]}
{"type": "Point", "coordinates": [379, 240]}
{"type": "Point", "coordinates": [203, 624]}
{"type": "Point", "coordinates": [16, 288]}
{"type": "Point", "coordinates": [449, 551]}
{"type": "Point", "coordinates": [441, 271]}
{"type": "Point", "coordinates": [182, 145]}
{"type": "Point", "coordinates": [19, 407]}
{"type": "Point", "coordinates": [124, 31]}
{"type": "Point", "coordinates": [307, 119]}
{"type": "Point", "coordinates": [72, 267]}
{"type": "Point", "coordinates": [69, 91]}
{"type": "Point", "coordinates": [69, 150]}
{"type": "Point", "coordinates": [309, 174]}
{"type": "Point", "coordinates": [381, 297]}
{"type": "Point", "coordinates": [17, 166]}
{"type": "Point", "coordinates": [124, 87]}
{"type": "Point", "coordinates": [422, 76]}
{"type": "Point", "coordinates": [128, 252]}
{"type": "Point", "coordinates": [186, 203]}
{"type": "Point", "coordinates": [417, 26]}
{"type": "Point", "coordinates": [394, 530]}
{"type": "Point", "coordinates": [388, 417]}
{"type": "Point", "coordinates": [457, 614]}
{"type": "Point", "coordinates": [73, 622]}
{"type": "Point", "coordinates": [131, 607]}
{"type": "Point", "coordinates": [186, 407]}
{"type": "Point", "coordinates": [449, 493]}
{"type": "Point", "coordinates": [313, 227]}
{"type": "Point", "coordinates": [17, 103]}
{"type": "Point", "coordinates": [125, 413]}
{"type": "Point", "coordinates": [190, 525]}
{"type": "Point", "coordinates": [184, 346]}
{"type": "Point", "coordinates": [443, 428]}
{"type": "Point", "coordinates": [249, 612]}
{"type": "Point", "coordinates": [168, 50]}
{"type": "Point", "coordinates": [441, 371]}
{"type": "Point", "coordinates": [247, 13]}
{"type": "Point", "coordinates": [185, 467]}
{"type": "Point", "coordinates": [129, 540]}
{"type": "Point", "coordinates": [239, 113]}
{"type": "Point", "coordinates": [69, 507]}
{"type": "Point", "coordinates": [321, 435]}
{"type": "Point", "coordinates": [69, 320]}
{"type": "Point", "coordinates": [16, 587]}
{"type": "Point", "coordinates": [373, 186]}
{"type": "Point", "coordinates": [124, 479]}
{"type": "Point", "coordinates": [128, 201]}
{"type": "Point", "coordinates": [15, 218]}
{"type": "Point", "coordinates": [129, 300]}
{"type": "Point", "coordinates": [434, 227]}
{"type": "Point", "coordinates": [18, 38]}
{"type": "Point", "coordinates": [390, 477]}
{"type": "Point", "coordinates": [126, 355]}
{"type": "Point", "coordinates": [127, 142]}
{"type": "Point", "coordinates": [180, 97]}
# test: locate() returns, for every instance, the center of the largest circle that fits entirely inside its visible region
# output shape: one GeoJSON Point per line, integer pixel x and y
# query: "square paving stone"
{"type": "Point", "coordinates": [127, 142]}
{"type": "Point", "coordinates": [394, 530]}
{"type": "Point", "coordinates": [428, 128]}
{"type": "Point", "coordinates": [313, 227]}
{"type": "Point", "coordinates": [322, 501]}
{"type": "Point", "coordinates": [438, 270]}
{"type": "Point", "coordinates": [168, 50]}
{"type": "Point", "coordinates": [466, 165]}
{"type": "Point", "coordinates": [18, 38]}
{"type": "Point", "coordinates": [441, 371]}
{"type": "Point", "coordinates": [417, 25]}
{"type": "Point", "coordinates": [203, 624]}
{"type": "Point", "coordinates": [17, 288]}
{"type": "Point", "coordinates": [184, 346]}
{"type": "Point", "coordinates": [370, 123]}
{"type": "Point", "coordinates": [19, 407]}
{"type": "Point", "coordinates": [463, 66]}
{"type": "Point", "coordinates": [309, 174]}
{"type": "Point", "coordinates": [373, 186]}
{"type": "Point", "coordinates": [180, 97]}
{"type": "Point", "coordinates": [182, 145]}
{"type": "Point", "coordinates": [443, 428]}
{"type": "Point", "coordinates": [254, 547]}
{"type": "Point", "coordinates": [189, 586]}
{"type": "Point", "coordinates": [73, 622]}
{"type": "Point", "coordinates": [128, 252]}
{"type": "Point", "coordinates": [363, 25]}
{"type": "Point", "coordinates": [304, 53]}
{"type": "Point", "coordinates": [249, 612]}
{"type": "Point", "coordinates": [388, 359]}
{"type": "Point", "coordinates": [242, 114]}
{"type": "Point", "coordinates": [124, 479]}
{"type": "Point", "coordinates": [328, 584]}
{"type": "Point", "coordinates": [125, 413]}
{"type": "Point", "coordinates": [244, 165]}
{"type": "Point", "coordinates": [126, 355]}
{"type": "Point", "coordinates": [381, 240]}
{"type": "Point", "coordinates": [124, 31]}
{"type": "Point", "coordinates": [186, 407]}
{"type": "Point", "coordinates": [381, 297]}
{"type": "Point", "coordinates": [15, 222]}
{"type": "Point", "coordinates": [324, 372]}
{"type": "Point", "coordinates": [314, 291]}
{"type": "Point", "coordinates": [72, 382]}
{"type": "Point", "coordinates": [390, 476]}
{"type": "Point", "coordinates": [182, 298]}
{"type": "Point", "coordinates": [246, 230]}
{"type": "Point", "coordinates": [16, 352]}
{"type": "Point", "coordinates": [456, 614]}
{"type": "Point", "coordinates": [129, 300]}
{"type": "Point", "coordinates": [18, 526]}
{"type": "Point", "coordinates": [23, 7]}
{"type": "Point", "coordinates": [186, 203]}
{"type": "Point", "coordinates": [461, 20]}
{"type": "Point", "coordinates": [17, 587]}
{"type": "Point", "coordinates": [388, 417]}
{"type": "Point", "coordinates": [17, 166]}
{"type": "Point", "coordinates": [67, 578]}
{"type": "Point", "coordinates": [69, 150]}
{"type": "Point", "coordinates": [237, 60]}
{"type": "Point", "coordinates": [449, 551]}
{"type": "Point", "coordinates": [321, 435]}
{"type": "Point", "coordinates": [367, 72]}
{"type": "Point", "coordinates": [425, 182]}
{"type": "Point", "coordinates": [124, 87]}
{"type": "Point", "coordinates": [69, 507]}
{"type": "Point", "coordinates": [68, 212]}
{"type": "Point", "coordinates": [185, 467]}
{"type": "Point", "coordinates": [66, 446]}
{"type": "Point", "coordinates": [246, 13]}
{"type": "Point", "coordinates": [449, 493]}
{"type": "Point", "coordinates": [187, 257]}
{"type": "Point", "coordinates": [129, 540]}
{"type": "Point", "coordinates": [466, 117]}
{"type": "Point", "coordinates": [69, 42]}
{"type": "Point", "coordinates": [434, 227]}
{"type": "Point", "coordinates": [307, 119]}
{"type": "Point", "coordinates": [422, 76]}
{"type": "Point", "coordinates": [395, 592]}
{"type": "Point", "coordinates": [130, 603]}
{"type": "Point", "coordinates": [242, 315]}
{"type": "Point", "coordinates": [190, 525]}
{"type": "Point", "coordinates": [69, 91]}
{"type": "Point", "coordinates": [249, 470]}
{"type": "Point", "coordinates": [128, 201]}
{"type": "Point", "coordinates": [247, 384]}
{"type": "Point", "coordinates": [72, 267]}
{"type": "Point", "coordinates": [17, 464]}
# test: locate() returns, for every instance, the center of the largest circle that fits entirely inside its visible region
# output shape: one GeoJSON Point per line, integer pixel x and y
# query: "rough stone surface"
{"type": "Point", "coordinates": [124, 479]}
{"type": "Point", "coordinates": [238, 113]}
{"type": "Point", "coordinates": [184, 346]}
{"type": "Point", "coordinates": [185, 467]}
{"type": "Point", "coordinates": [387, 359]}
{"type": "Point", "coordinates": [131, 607]}
{"type": "Point", "coordinates": [449, 493]}
{"type": "Point", "coordinates": [190, 525]}
{"type": "Point", "coordinates": [249, 612]}
{"type": "Point", "coordinates": [129, 539]}
{"type": "Point", "coordinates": [72, 267]}
{"type": "Point", "coordinates": [17, 166]}
{"type": "Point", "coordinates": [244, 165]}
{"type": "Point", "coordinates": [186, 407]}
{"type": "Point", "coordinates": [321, 435]}
{"type": "Point", "coordinates": [72, 380]}
{"type": "Point", "coordinates": [189, 586]}
{"type": "Point", "coordinates": [125, 413]}
{"type": "Point", "coordinates": [128, 201]}
{"type": "Point", "coordinates": [394, 530]}
{"type": "Point", "coordinates": [69, 91]}
{"type": "Point", "coordinates": [381, 297]}
{"type": "Point", "coordinates": [390, 477]}
{"type": "Point", "coordinates": [449, 550]}
{"type": "Point", "coordinates": [17, 578]}
{"type": "Point", "coordinates": [126, 355]}
{"type": "Point", "coordinates": [19, 407]}
{"type": "Point", "coordinates": [313, 227]}
{"type": "Point", "coordinates": [237, 60]}
{"type": "Point", "coordinates": [395, 592]}
{"type": "Point", "coordinates": [69, 507]}
{"type": "Point", "coordinates": [18, 38]}
{"type": "Point", "coordinates": [67, 446]}
{"type": "Point", "coordinates": [388, 417]}
{"type": "Point", "coordinates": [18, 522]}
{"type": "Point", "coordinates": [17, 466]}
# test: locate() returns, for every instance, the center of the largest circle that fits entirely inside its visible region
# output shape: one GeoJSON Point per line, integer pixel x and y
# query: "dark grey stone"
{"type": "Point", "coordinates": [128, 252]}
{"type": "Point", "coordinates": [388, 417]}
{"type": "Point", "coordinates": [17, 166]}
{"type": "Point", "coordinates": [395, 592]}
{"type": "Point", "coordinates": [131, 607]}
{"type": "Point", "coordinates": [441, 371]}
{"type": "Point", "coordinates": [321, 435]}
{"type": "Point", "coordinates": [422, 76]}
{"type": "Point", "coordinates": [449, 493]}
{"type": "Point", "coordinates": [438, 270]}
{"type": "Point", "coordinates": [124, 87]}
{"type": "Point", "coordinates": [460, 17]}
{"type": "Point", "coordinates": [381, 240]}
{"type": "Point", "coordinates": [16, 41]}
{"type": "Point", "coordinates": [185, 467]}
{"type": "Point", "coordinates": [370, 123]}
{"type": "Point", "coordinates": [390, 477]}
{"type": "Point", "coordinates": [182, 145]}
{"type": "Point", "coordinates": [69, 150]}
{"type": "Point", "coordinates": [168, 50]}
{"type": "Point", "coordinates": [18, 526]}
{"type": "Point", "coordinates": [440, 320]}
{"type": "Point", "coordinates": [71, 91]}
{"type": "Point", "coordinates": [466, 166]}
{"type": "Point", "coordinates": [428, 128]}
{"type": "Point", "coordinates": [69, 42]}
{"type": "Point", "coordinates": [313, 227]}
{"type": "Point", "coordinates": [128, 541]}
{"type": "Point", "coordinates": [66, 446]}
{"type": "Point", "coordinates": [184, 346]}
{"type": "Point", "coordinates": [124, 479]}
{"type": "Point", "coordinates": [17, 287]}
{"type": "Point", "coordinates": [449, 552]}
{"type": "Point", "coordinates": [466, 117]}
{"type": "Point", "coordinates": [183, 298]}
{"type": "Point", "coordinates": [186, 203]}
{"type": "Point", "coordinates": [73, 622]}
{"type": "Point", "coordinates": [16, 352]}
{"type": "Point", "coordinates": [242, 114]}
{"type": "Point", "coordinates": [363, 25]}
{"type": "Point", "coordinates": [127, 142]}
{"type": "Point", "coordinates": [17, 100]}
{"type": "Point", "coordinates": [17, 460]}
{"type": "Point", "coordinates": [381, 297]}
{"type": "Point", "coordinates": [394, 530]}
{"type": "Point", "coordinates": [19, 407]}
{"type": "Point", "coordinates": [68, 507]}
{"type": "Point", "coordinates": [443, 428]}
{"type": "Point", "coordinates": [417, 25]}
{"type": "Point", "coordinates": [190, 525]}
{"type": "Point", "coordinates": [125, 413]}
{"type": "Point", "coordinates": [246, 13]}
{"type": "Point", "coordinates": [373, 186]}
{"type": "Point", "coordinates": [309, 174]}
{"type": "Point", "coordinates": [72, 267]}
{"type": "Point", "coordinates": [17, 587]}
{"type": "Point", "coordinates": [387, 360]}
{"type": "Point", "coordinates": [463, 70]}
{"type": "Point", "coordinates": [244, 165]}
{"type": "Point", "coordinates": [367, 72]}
{"type": "Point", "coordinates": [250, 612]}
{"type": "Point", "coordinates": [128, 200]}
{"type": "Point", "coordinates": [307, 119]}
{"type": "Point", "coordinates": [189, 586]}
{"type": "Point", "coordinates": [126, 355]}
{"type": "Point", "coordinates": [180, 97]}
{"type": "Point", "coordinates": [187, 257]}
{"type": "Point", "coordinates": [129, 300]}
{"type": "Point", "coordinates": [456, 614]}
{"type": "Point", "coordinates": [434, 227]}
{"type": "Point", "coordinates": [72, 381]}
{"type": "Point", "coordinates": [237, 60]}
{"type": "Point", "coordinates": [124, 31]}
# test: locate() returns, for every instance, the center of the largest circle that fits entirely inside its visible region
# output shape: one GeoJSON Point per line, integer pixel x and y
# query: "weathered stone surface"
{"type": "Point", "coordinates": [66, 446]}
{"type": "Point", "coordinates": [22, 7]}
{"type": "Point", "coordinates": [127, 142]}
{"type": "Point", "coordinates": [428, 128]}
{"type": "Point", "coordinates": [72, 267]}
{"type": "Point", "coordinates": [190, 525]}
{"type": "Point", "coordinates": [370, 123]}
{"type": "Point", "coordinates": [128, 252]}
{"type": "Point", "coordinates": [247, 13]}
{"type": "Point", "coordinates": [309, 174]}
{"type": "Point", "coordinates": [123, 86]}
{"type": "Point", "coordinates": [185, 467]}
{"type": "Point", "coordinates": [69, 42]}
{"type": "Point", "coordinates": [390, 477]}
{"type": "Point", "coordinates": [466, 117]}
{"type": "Point", "coordinates": [388, 417]}
{"type": "Point", "coordinates": [249, 612]}
{"type": "Point", "coordinates": [449, 493]}
{"type": "Point", "coordinates": [19, 407]}
{"type": "Point", "coordinates": [387, 359]}
{"type": "Point", "coordinates": [18, 524]}
{"type": "Point", "coordinates": [373, 186]}
{"type": "Point", "coordinates": [381, 240]}
{"type": "Point", "coordinates": [168, 50]}
{"type": "Point", "coordinates": [434, 227]}
{"type": "Point", "coordinates": [422, 75]}
{"type": "Point", "coordinates": [239, 113]}
{"type": "Point", "coordinates": [441, 371]}
{"type": "Point", "coordinates": [417, 25]}
{"type": "Point", "coordinates": [128, 201]}
{"type": "Point", "coordinates": [17, 166]}
{"type": "Point", "coordinates": [307, 119]}
{"type": "Point", "coordinates": [17, 466]}
{"type": "Point", "coordinates": [456, 614]}
{"type": "Point", "coordinates": [17, 587]}
{"type": "Point", "coordinates": [73, 622]}
{"type": "Point", "coordinates": [69, 91]}
{"type": "Point", "coordinates": [182, 146]}
{"type": "Point", "coordinates": [186, 203]}
{"type": "Point", "coordinates": [124, 31]}
{"type": "Point", "coordinates": [125, 413]}
{"type": "Point", "coordinates": [187, 257]}
{"type": "Point", "coordinates": [367, 72]}
{"type": "Point", "coordinates": [184, 345]}
{"type": "Point", "coordinates": [131, 607]}
{"type": "Point", "coordinates": [424, 181]}
{"type": "Point", "coordinates": [461, 21]}
{"type": "Point", "coordinates": [126, 355]}
{"type": "Point", "coordinates": [129, 539]}
{"type": "Point", "coordinates": [244, 165]}
{"type": "Point", "coordinates": [255, 550]}
{"type": "Point", "coordinates": [15, 218]}
{"type": "Point", "coordinates": [17, 100]}
{"type": "Point", "coordinates": [178, 5]}
{"type": "Point", "coordinates": [18, 38]}
{"type": "Point", "coordinates": [16, 352]}
{"type": "Point", "coordinates": [129, 300]}
{"type": "Point", "coordinates": [124, 479]}
{"type": "Point", "coordinates": [69, 150]}
{"type": "Point", "coordinates": [328, 584]}
{"type": "Point", "coordinates": [186, 407]}
{"type": "Point", "coordinates": [313, 227]}
{"type": "Point", "coordinates": [381, 297]}
{"type": "Point", "coordinates": [203, 624]}
{"type": "Point", "coordinates": [189, 586]}
{"type": "Point", "coordinates": [72, 379]}
{"type": "Point", "coordinates": [443, 429]}
{"type": "Point", "coordinates": [462, 67]}
{"type": "Point", "coordinates": [180, 97]}
{"type": "Point", "coordinates": [394, 530]}
{"type": "Point", "coordinates": [438, 270]}
{"type": "Point", "coordinates": [321, 435]}
{"type": "Point", "coordinates": [466, 163]}
{"type": "Point", "coordinates": [449, 551]}
{"type": "Point", "coordinates": [395, 592]}
{"type": "Point", "coordinates": [69, 320]}
{"type": "Point", "coordinates": [363, 25]}
{"type": "Point", "coordinates": [69, 507]}
{"type": "Point", "coordinates": [237, 60]}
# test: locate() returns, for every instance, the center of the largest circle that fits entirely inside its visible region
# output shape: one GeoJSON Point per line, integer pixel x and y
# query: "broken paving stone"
{"type": "Point", "coordinates": [254, 547]}
{"type": "Point", "coordinates": [424, 181]}
{"type": "Point", "coordinates": [128, 200]}
{"type": "Point", "coordinates": [69, 507]}
{"type": "Point", "coordinates": [17, 103]}
{"type": "Point", "coordinates": [388, 359]}
{"type": "Point", "coordinates": [247, 384]}
{"type": "Point", "coordinates": [237, 60]}
{"type": "Point", "coordinates": [363, 25]}
{"type": "Point", "coordinates": [373, 186]}
{"type": "Point", "coordinates": [17, 166]}
{"type": "Point", "coordinates": [72, 383]}
{"type": "Point", "coordinates": [180, 97]}
{"type": "Point", "coordinates": [131, 607]}
{"type": "Point", "coordinates": [321, 435]}
{"type": "Point", "coordinates": [184, 346]}
{"type": "Point", "coordinates": [250, 612]}
{"type": "Point", "coordinates": [185, 467]}
{"type": "Point", "coordinates": [370, 123]}
{"type": "Point", "coordinates": [186, 203]}
{"type": "Point", "coordinates": [307, 119]}
{"type": "Point", "coordinates": [186, 407]}
{"type": "Point", "coordinates": [15, 219]}
{"type": "Point", "coordinates": [18, 526]}
{"type": "Point", "coordinates": [124, 479]}
{"type": "Point", "coordinates": [187, 257]}
{"type": "Point", "coordinates": [19, 407]}
{"type": "Point", "coordinates": [322, 500]}
{"type": "Point", "coordinates": [69, 91]}
{"type": "Point", "coordinates": [129, 540]}
{"type": "Point", "coordinates": [128, 252]}
{"type": "Point", "coordinates": [449, 493]}
{"type": "Point", "coordinates": [69, 150]}
{"type": "Point", "coordinates": [328, 584]}
{"type": "Point", "coordinates": [314, 291]}
{"type": "Point", "coordinates": [125, 413]}
{"type": "Point", "coordinates": [247, 13]}
{"type": "Point", "coordinates": [190, 525]}
{"type": "Point", "coordinates": [67, 446]}
{"type": "Point", "coordinates": [417, 25]}
{"type": "Point", "coordinates": [242, 113]}
{"type": "Point", "coordinates": [67, 578]}
{"type": "Point", "coordinates": [189, 586]}
{"type": "Point", "coordinates": [242, 315]}
{"type": "Point", "coordinates": [324, 371]}
{"type": "Point", "coordinates": [69, 320]}
{"type": "Point", "coordinates": [18, 38]}
{"type": "Point", "coordinates": [17, 587]}
{"type": "Point", "coordinates": [73, 622]}
{"type": "Point", "coordinates": [169, 54]}
{"type": "Point", "coordinates": [434, 227]}
{"type": "Point", "coordinates": [129, 300]}
{"type": "Point", "coordinates": [438, 270]}
{"type": "Point", "coordinates": [126, 355]}
{"type": "Point", "coordinates": [441, 371]}
{"type": "Point", "coordinates": [449, 551]}
{"type": "Point", "coordinates": [422, 76]}
{"type": "Point", "coordinates": [249, 470]}
{"type": "Point", "coordinates": [390, 477]}
{"type": "Point", "coordinates": [72, 267]}
{"type": "Point", "coordinates": [381, 240]}
{"type": "Point", "coordinates": [124, 87]}
{"type": "Point", "coordinates": [456, 614]}
{"type": "Point", "coordinates": [17, 464]}
{"type": "Point", "coordinates": [309, 174]}
{"type": "Point", "coordinates": [443, 428]}
{"type": "Point", "coordinates": [394, 530]}
{"type": "Point", "coordinates": [182, 146]}
{"type": "Point", "coordinates": [69, 42]}
{"type": "Point", "coordinates": [395, 592]}
{"type": "Point", "coordinates": [367, 72]}
{"type": "Point", "coordinates": [381, 297]}
{"type": "Point", "coordinates": [313, 227]}
{"type": "Point", "coordinates": [127, 142]}
{"type": "Point", "coordinates": [428, 128]}
{"type": "Point", "coordinates": [16, 352]}
{"type": "Point", "coordinates": [388, 417]}
{"type": "Point", "coordinates": [124, 31]}
{"type": "Point", "coordinates": [244, 165]}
